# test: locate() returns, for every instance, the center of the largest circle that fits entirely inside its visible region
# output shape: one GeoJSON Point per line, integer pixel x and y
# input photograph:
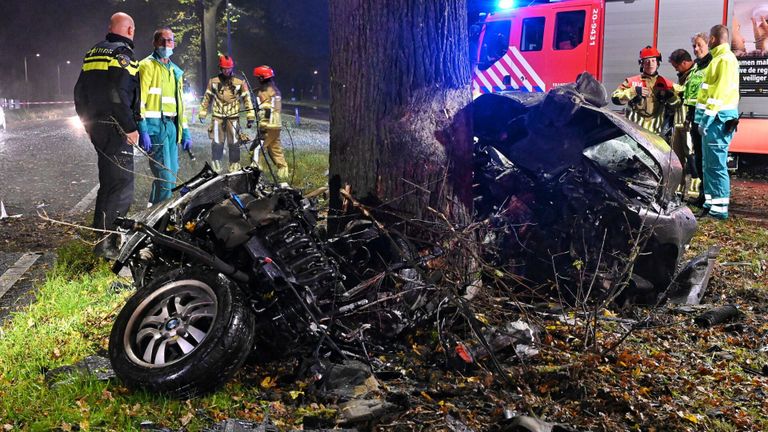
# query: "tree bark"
{"type": "Point", "coordinates": [401, 133]}
{"type": "Point", "coordinates": [210, 51]}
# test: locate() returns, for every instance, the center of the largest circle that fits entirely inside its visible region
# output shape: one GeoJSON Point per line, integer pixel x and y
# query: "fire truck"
{"type": "Point", "coordinates": [535, 45]}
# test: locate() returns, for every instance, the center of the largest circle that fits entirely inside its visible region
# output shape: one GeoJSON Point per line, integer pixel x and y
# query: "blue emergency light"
{"type": "Point", "coordinates": [506, 4]}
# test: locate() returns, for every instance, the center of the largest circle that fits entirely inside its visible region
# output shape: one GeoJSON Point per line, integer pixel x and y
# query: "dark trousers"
{"type": "Point", "coordinates": [696, 140]}
{"type": "Point", "coordinates": [115, 162]}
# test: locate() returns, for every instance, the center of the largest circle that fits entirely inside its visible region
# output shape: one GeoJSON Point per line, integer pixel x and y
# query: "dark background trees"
{"type": "Point", "coordinates": [290, 35]}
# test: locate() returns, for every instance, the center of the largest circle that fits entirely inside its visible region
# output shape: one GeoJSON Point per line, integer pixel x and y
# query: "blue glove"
{"type": "Point", "coordinates": [186, 143]}
{"type": "Point", "coordinates": [145, 141]}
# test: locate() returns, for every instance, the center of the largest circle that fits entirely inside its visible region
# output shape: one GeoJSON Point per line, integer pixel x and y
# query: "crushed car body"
{"type": "Point", "coordinates": [579, 197]}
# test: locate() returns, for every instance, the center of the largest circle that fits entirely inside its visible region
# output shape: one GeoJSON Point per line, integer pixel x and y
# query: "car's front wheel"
{"type": "Point", "coordinates": [185, 333]}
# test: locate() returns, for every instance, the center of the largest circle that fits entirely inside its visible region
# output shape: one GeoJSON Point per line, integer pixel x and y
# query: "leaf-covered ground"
{"type": "Point", "coordinates": [669, 375]}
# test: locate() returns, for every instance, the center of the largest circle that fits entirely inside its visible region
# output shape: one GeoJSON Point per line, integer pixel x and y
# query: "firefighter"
{"type": "Point", "coordinates": [107, 102]}
{"type": "Point", "coordinates": [226, 93]}
{"type": "Point", "coordinates": [717, 115]}
{"type": "Point", "coordinates": [164, 124]}
{"type": "Point", "coordinates": [648, 96]}
{"type": "Point", "coordinates": [268, 98]}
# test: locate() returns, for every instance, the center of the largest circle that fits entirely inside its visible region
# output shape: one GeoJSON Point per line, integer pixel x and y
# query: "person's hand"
{"type": "Point", "coordinates": [645, 92]}
{"type": "Point", "coordinates": [132, 138]}
{"type": "Point", "coordinates": [145, 141]}
{"type": "Point", "coordinates": [186, 144]}
{"type": "Point", "coordinates": [249, 124]}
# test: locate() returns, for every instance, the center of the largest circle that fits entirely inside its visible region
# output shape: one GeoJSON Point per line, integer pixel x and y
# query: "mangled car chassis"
{"type": "Point", "coordinates": [235, 263]}
{"type": "Point", "coordinates": [576, 198]}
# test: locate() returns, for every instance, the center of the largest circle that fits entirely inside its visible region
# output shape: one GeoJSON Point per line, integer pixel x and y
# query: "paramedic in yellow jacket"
{"type": "Point", "coordinates": [163, 125]}
{"type": "Point", "coordinates": [717, 114]}
{"type": "Point", "coordinates": [649, 95]}
{"type": "Point", "coordinates": [227, 94]}
{"type": "Point", "coordinates": [270, 105]}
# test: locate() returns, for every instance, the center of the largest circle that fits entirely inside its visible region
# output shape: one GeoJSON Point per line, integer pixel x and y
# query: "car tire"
{"type": "Point", "coordinates": [185, 334]}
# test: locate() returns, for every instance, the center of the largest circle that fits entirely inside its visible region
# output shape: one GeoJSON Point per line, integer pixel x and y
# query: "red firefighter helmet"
{"type": "Point", "coordinates": [649, 52]}
{"type": "Point", "coordinates": [226, 62]}
{"type": "Point", "coordinates": [263, 72]}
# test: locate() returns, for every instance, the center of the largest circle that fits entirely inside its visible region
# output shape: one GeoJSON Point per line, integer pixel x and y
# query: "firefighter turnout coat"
{"type": "Point", "coordinates": [648, 112]}
{"type": "Point", "coordinates": [226, 95]}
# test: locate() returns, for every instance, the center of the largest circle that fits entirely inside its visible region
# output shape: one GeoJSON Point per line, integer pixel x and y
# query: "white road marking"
{"type": "Point", "coordinates": [84, 203]}
{"type": "Point", "coordinates": [13, 274]}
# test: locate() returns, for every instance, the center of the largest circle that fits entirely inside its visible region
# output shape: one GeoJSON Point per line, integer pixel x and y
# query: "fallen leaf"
{"type": "Point", "coordinates": [268, 383]}
{"type": "Point", "coordinates": [186, 418]}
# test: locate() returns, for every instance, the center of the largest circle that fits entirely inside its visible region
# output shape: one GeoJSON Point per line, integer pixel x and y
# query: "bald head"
{"type": "Point", "coordinates": [122, 24]}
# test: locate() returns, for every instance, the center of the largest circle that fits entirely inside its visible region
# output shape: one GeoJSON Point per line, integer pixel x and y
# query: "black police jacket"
{"type": "Point", "coordinates": [108, 86]}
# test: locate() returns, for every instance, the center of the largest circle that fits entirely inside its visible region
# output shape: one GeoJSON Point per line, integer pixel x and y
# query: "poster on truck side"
{"type": "Point", "coordinates": [749, 41]}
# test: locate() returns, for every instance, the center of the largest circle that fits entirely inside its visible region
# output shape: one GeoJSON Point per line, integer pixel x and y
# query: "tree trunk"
{"type": "Point", "coordinates": [401, 132]}
{"type": "Point", "coordinates": [210, 47]}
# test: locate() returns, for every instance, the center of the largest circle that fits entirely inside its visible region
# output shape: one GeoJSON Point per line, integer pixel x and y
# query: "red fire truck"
{"type": "Point", "coordinates": [542, 44]}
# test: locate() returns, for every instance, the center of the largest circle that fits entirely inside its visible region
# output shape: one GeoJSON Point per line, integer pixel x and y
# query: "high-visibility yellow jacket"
{"type": "Point", "coordinates": [161, 96]}
{"type": "Point", "coordinates": [227, 95]}
{"type": "Point", "coordinates": [719, 91]}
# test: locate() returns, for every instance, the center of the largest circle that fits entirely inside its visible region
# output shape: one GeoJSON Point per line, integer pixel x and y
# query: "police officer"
{"type": "Point", "coordinates": [107, 102]}
{"type": "Point", "coordinates": [226, 93]}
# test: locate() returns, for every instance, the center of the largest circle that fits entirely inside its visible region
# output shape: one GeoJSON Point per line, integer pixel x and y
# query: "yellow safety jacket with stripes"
{"type": "Point", "coordinates": [162, 97]}
{"type": "Point", "coordinates": [107, 89]}
{"type": "Point", "coordinates": [720, 86]}
{"type": "Point", "coordinates": [227, 95]}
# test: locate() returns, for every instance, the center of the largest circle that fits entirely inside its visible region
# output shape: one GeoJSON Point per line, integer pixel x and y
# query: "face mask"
{"type": "Point", "coordinates": [164, 52]}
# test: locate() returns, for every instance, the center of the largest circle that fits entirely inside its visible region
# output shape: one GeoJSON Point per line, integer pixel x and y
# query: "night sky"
{"type": "Point", "coordinates": [289, 35]}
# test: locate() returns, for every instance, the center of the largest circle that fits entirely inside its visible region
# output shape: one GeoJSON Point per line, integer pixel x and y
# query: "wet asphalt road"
{"type": "Point", "coordinates": [47, 163]}
{"type": "Point", "coordinates": [51, 165]}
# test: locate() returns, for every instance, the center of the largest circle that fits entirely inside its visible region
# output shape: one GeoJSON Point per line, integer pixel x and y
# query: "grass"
{"type": "Point", "coordinates": [71, 320]}
{"type": "Point", "coordinates": [664, 378]}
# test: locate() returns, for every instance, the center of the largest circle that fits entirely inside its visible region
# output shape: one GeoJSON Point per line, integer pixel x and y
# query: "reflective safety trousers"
{"type": "Point", "coordinates": [164, 161]}
{"type": "Point", "coordinates": [717, 182]}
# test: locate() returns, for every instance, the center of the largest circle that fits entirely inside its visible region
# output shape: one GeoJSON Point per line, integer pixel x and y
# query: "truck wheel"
{"type": "Point", "coordinates": [186, 333]}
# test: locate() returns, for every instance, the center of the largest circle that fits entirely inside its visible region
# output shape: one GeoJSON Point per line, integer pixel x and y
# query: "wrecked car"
{"type": "Point", "coordinates": [236, 266]}
{"type": "Point", "coordinates": [579, 198]}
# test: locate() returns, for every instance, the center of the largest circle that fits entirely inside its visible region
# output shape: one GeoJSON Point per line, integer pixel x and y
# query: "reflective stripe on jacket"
{"type": "Point", "coordinates": [692, 85]}
{"type": "Point", "coordinates": [648, 112]}
{"type": "Point", "coordinates": [108, 85]}
{"type": "Point", "coordinates": [720, 85]}
{"type": "Point", "coordinates": [227, 96]}
{"type": "Point", "coordinates": [161, 95]}
{"type": "Point", "coordinates": [270, 105]}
